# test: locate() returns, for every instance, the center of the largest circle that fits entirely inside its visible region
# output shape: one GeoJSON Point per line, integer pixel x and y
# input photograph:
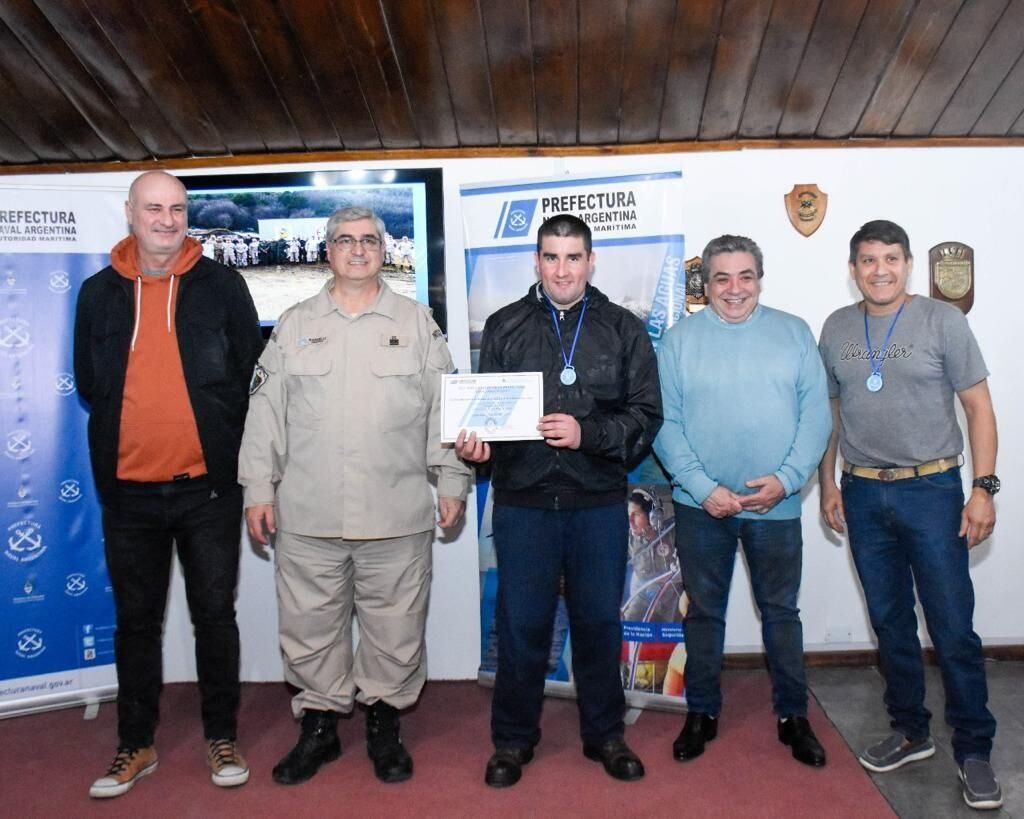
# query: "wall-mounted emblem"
{"type": "Point", "coordinates": [806, 205]}
{"type": "Point", "coordinates": [695, 298]}
{"type": "Point", "coordinates": [951, 265]}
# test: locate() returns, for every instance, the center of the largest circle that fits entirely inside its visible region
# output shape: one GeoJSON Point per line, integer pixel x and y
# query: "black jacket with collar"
{"type": "Point", "coordinates": [219, 340]}
{"type": "Point", "coordinates": [616, 400]}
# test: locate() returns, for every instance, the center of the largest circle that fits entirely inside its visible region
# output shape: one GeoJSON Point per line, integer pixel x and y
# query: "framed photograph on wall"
{"type": "Point", "coordinates": [270, 227]}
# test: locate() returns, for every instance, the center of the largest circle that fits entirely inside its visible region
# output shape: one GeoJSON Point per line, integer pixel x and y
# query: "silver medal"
{"type": "Point", "coordinates": [874, 382]}
{"type": "Point", "coordinates": [568, 376]}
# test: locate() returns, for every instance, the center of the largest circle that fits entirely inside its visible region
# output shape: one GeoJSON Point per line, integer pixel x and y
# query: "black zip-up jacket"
{"type": "Point", "coordinates": [219, 340]}
{"type": "Point", "coordinates": [616, 400]}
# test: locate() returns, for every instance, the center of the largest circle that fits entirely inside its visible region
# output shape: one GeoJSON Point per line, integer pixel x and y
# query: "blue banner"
{"type": "Point", "coordinates": [56, 637]}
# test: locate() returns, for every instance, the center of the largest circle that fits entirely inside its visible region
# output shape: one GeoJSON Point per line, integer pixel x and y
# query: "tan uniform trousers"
{"type": "Point", "coordinates": [320, 583]}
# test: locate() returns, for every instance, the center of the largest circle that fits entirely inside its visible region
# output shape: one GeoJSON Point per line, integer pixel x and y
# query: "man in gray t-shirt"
{"type": "Point", "coordinates": [895, 361]}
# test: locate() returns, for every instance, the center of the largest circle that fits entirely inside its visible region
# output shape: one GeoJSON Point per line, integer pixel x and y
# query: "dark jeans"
{"type": "Point", "coordinates": [139, 527]}
{"type": "Point", "coordinates": [902, 532]}
{"type": "Point", "coordinates": [707, 553]}
{"type": "Point", "coordinates": [535, 548]}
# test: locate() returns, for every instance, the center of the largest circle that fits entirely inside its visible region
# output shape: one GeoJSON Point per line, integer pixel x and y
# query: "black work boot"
{"type": "Point", "coordinates": [318, 743]}
{"type": "Point", "coordinates": [391, 762]}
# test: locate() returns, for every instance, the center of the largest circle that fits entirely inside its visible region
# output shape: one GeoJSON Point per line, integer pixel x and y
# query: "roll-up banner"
{"type": "Point", "coordinates": [56, 637]}
{"type": "Point", "coordinates": [636, 221]}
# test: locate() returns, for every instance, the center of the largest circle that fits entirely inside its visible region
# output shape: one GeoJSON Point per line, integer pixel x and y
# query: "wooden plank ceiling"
{"type": "Point", "coordinates": [102, 81]}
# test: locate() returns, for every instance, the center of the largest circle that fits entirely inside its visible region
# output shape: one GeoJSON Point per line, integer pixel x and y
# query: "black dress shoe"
{"type": "Point", "coordinates": [318, 744]}
{"type": "Point", "coordinates": [618, 760]}
{"type": "Point", "coordinates": [505, 767]}
{"type": "Point", "coordinates": [698, 730]}
{"type": "Point", "coordinates": [391, 762]}
{"type": "Point", "coordinates": [796, 732]}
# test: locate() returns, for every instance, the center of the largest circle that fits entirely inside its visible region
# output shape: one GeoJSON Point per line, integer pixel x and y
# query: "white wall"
{"type": "Point", "coordinates": [970, 195]}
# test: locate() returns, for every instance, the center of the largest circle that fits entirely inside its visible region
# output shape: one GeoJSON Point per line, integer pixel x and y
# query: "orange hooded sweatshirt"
{"type": "Point", "coordinates": [159, 439]}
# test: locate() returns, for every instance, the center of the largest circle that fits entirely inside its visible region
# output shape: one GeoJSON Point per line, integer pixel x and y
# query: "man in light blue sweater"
{"type": "Point", "coordinates": [747, 419]}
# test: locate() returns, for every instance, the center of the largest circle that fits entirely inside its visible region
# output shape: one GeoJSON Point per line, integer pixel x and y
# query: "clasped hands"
{"type": "Point", "coordinates": [723, 503]}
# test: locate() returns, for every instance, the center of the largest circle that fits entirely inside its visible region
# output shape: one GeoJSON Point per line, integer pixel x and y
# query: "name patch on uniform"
{"type": "Point", "coordinates": [305, 341]}
{"type": "Point", "coordinates": [259, 378]}
{"type": "Point", "coordinates": [392, 340]}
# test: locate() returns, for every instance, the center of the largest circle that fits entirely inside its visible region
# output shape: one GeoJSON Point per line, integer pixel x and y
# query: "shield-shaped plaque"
{"type": "Point", "coordinates": [695, 298]}
{"type": "Point", "coordinates": [952, 274]}
{"type": "Point", "coordinates": [806, 206]}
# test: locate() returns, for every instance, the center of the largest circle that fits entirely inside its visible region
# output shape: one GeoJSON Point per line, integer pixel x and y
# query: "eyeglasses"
{"type": "Point", "coordinates": [347, 242]}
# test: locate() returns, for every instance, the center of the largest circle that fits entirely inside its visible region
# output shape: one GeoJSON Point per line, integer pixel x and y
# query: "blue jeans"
{"type": "Point", "coordinates": [707, 553]}
{"type": "Point", "coordinates": [902, 532]}
{"type": "Point", "coordinates": [140, 525]}
{"type": "Point", "coordinates": [536, 548]}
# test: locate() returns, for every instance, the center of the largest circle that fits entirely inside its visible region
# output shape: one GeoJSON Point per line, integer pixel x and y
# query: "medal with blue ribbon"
{"type": "Point", "coordinates": [568, 374]}
{"type": "Point", "coordinates": [875, 382]}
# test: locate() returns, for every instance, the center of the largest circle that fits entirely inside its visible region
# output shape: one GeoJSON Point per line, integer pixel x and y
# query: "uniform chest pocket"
{"type": "Point", "coordinates": [396, 381]}
{"type": "Point", "coordinates": [306, 379]}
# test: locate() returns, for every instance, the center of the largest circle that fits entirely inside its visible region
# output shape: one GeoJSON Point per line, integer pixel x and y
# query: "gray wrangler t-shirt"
{"type": "Point", "coordinates": [931, 355]}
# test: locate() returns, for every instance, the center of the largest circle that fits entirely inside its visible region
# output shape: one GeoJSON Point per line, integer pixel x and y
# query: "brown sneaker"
{"type": "Point", "coordinates": [129, 765]}
{"type": "Point", "coordinates": [228, 767]}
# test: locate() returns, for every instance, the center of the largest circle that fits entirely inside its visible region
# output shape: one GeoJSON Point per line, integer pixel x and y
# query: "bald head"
{"type": "Point", "coordinates": [157, 211]}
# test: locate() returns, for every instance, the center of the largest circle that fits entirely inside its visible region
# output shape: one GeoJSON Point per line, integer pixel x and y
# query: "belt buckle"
{"type": "Point", "coordinates": [886, 475]}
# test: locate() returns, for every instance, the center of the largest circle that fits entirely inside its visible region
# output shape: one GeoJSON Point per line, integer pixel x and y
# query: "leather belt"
{"type": "Point", "coordinates": [899, 473]}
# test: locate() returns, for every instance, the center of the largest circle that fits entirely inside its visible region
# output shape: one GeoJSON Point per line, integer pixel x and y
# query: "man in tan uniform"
{"type": "Point", "coordinates": [343, 428]}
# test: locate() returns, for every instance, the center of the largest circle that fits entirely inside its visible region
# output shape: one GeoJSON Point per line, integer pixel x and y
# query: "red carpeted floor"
{"type": "Point", "coordinates": [49, 760]}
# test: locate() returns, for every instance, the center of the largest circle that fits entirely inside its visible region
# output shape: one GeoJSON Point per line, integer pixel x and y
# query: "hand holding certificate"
{"type": "Point", "coordinates": [496, 406]}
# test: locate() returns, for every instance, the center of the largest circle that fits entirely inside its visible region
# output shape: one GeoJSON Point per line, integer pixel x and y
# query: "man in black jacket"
{"type": "Point", "coordinates": [165, 343]}
{"type": "Point", "coordinates": [560, 503]}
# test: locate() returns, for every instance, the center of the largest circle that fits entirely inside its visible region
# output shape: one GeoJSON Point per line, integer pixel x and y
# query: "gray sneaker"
{"type": "Point", "coordinates": [894, 751]}
{"type": "Point", "coordinates": [981, 788]}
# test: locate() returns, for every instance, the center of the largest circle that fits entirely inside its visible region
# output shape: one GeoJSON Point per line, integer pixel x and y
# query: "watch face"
{"type": "Point", "coordinates": [990, 483]}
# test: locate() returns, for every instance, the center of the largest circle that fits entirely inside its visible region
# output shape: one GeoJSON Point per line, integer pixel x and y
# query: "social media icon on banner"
{"type": "Point", "coordinates": [89, 642]}
{"type": "Point", "coordinates": [89, 654]}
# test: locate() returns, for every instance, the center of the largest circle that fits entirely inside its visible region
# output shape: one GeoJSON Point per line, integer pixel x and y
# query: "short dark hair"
{"type": "Point", "coordinates": [565, 224]}
{"type": "Point", "coordinates": [880, 230]}
{"type": "Point", "coordinates": [642, 499]}
{"type": "Point", "coordinates": [727, 243]}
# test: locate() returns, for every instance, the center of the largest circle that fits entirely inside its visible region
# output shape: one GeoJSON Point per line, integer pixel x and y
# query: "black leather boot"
{"type": "Point", "coordinates": [318, 744]}
{"type": "Point", "coordinates": [796, 732]}
{"type": "Point", "coordinates": [391, 762]}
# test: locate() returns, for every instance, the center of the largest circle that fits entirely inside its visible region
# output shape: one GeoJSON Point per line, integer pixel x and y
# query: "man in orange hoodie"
{"type": "Point", "coordinates": [165, 342]}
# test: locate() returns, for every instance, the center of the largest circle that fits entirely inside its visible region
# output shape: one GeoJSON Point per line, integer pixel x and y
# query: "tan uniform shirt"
{"type": "Point", "coordinates": [344, 421]}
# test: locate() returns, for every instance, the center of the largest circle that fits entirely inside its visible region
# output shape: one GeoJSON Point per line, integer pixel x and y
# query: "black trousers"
{"type": "Point", "coordinates": [140, 526]}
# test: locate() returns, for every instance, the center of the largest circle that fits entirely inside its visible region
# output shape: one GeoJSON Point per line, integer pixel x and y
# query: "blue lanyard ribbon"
{"type": "Point", "coordinates": [876, 366]}
{"type": "Point", "coordinates": [558, 330]}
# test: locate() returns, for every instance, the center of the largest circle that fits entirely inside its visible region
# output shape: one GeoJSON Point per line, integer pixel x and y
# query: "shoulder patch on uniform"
{"type": "Point", "coordinates": [437, 333]}
{"type": "Point", "coordinates": [259, 378]}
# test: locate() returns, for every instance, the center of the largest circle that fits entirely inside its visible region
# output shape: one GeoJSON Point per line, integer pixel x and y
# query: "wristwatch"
{"type": "Point", "coordinates": [990, 483]}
